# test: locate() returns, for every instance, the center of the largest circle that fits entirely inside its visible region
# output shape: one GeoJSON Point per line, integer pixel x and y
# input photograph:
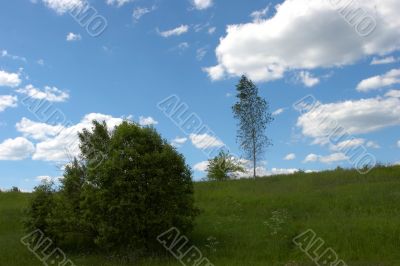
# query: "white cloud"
{"type": "Point", "coordinates": [278, 111]}
{"type": "Point", "coordinates": [354, 116]}
{"type": "Point", "coordinates": [175, 32]}
{"type": "Point", "coordinates": [118, 3]}
{"type": "Point", "coordinates": [202, 4]}
{"type": "Point", "coordinates": [260, 170]}
{"type": "Point", "coordinates": [63, 6]}
{"type": "Point", "coordinates": [393, 94]}
{"type": "Point", "coordinates": [66, 143]}
{"type": "Point", "coordinates": [205, 141]}
{"type": "Point", "coordinates": [346, 144]}
{"type": "Point", "coordinates": [290, 40]}
{"type": "Point", "coordinates": [398, 144]}
{"type": "Point", "coordinates": [259, 15]}
{"type": "Point", "coordinates": [16, 149]}
{"type": "Point", "coordinates": [147, 121]}
{"type": "Point", "coordinates": [332, 158]}
{"type": "Point", "coordinates": [311, 158]}
{"type": "Point", "coordinates": [139, 12]}
{"type": "Point", "coordinates": [290, 157]}
{"type": "Point", "coordinates": [215, 72]}
{"type": "Point", "coordinates": [373, 145]}
{"type": "Point", "coordinates": [201, 166]}
{"type": "Point", "coordinates": [377, 82]}
{"type": "Point", "coordinates": [263, 171]}
{"type": "Point", "coordinates": [307, 79]}
{"type": "Point", "coordinates": [9, 79]}
{"type": "Point", "coordinates": [7, 101]}
{"type": "Point", "coordinates": [178, 141]}
{"type": "Point", "coordinates": [51, 94]}
{"type": "Point", "coordinates": [72, 37]}
{"type": "Point", "coordinates": [38, 131]}
{"type": "Point", "coordinates": [385, 60]}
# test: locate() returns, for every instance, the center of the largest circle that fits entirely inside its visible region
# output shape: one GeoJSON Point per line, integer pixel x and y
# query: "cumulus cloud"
{"type": "Point", "coordinates": [63, 6]}
{"type": "Point", "coordinates": [398, 144]}
{"type": "Point", "coordinates": [380, 81]}
{"type": "Point", "coordinates": [290, 40]}
{"type": "Point", "coordinates": [51, 94]}
{"type": "Point", "coordinates": [16, 149]}
{"type": "Point", "coordinates": [202, 4]}
{"type": "Point", "coordinates": [354, 116]}
{"type": "Point", "coordinates": [307, 79]}
{"type": "Point", "coordinates": [385, 60]}
{"type": "Point", "coordinates": [290, 157]}
{"type": "Point", "coordinates": [260, 170]}
{"type": "Point", "coordinates": [175, 32]}
{"type": "Point", "coordinates": [73, 37]}
{"type": "Point", "coordinates": [9, 79]}
{"type": "Point", "coordinates": [263, 171]}
{"type": "Point", "coordinates": [147, 121]}
{"type": "Point", "coordinates": [60, 142]}
{"type": "Point", "coordinates": [205, 141]}
{"type": "Point", "coordinates": [393, 93]}
{"type": "Point", "coordinates": [328, 159]}
{"type": "Point", "coordinates": [36, 130]}
{"type": "Point", "coordinates": [7, 101]}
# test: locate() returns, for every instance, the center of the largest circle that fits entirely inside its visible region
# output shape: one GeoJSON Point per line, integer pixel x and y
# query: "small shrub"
{"type": "Point", "coordinates": [15, 189]}
{"type": "Point", "coordinates": [223, 167]}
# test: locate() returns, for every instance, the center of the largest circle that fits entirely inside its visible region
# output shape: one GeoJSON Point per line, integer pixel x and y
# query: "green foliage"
{"type": "Point", "coordinates": [40, 208]}
{"type": "Point", "coordinates": [128, 187]}
{"type": "Point", "coordinates": [15, 189]}
{"type": "Point", "coordinates": [223, 167]}
{"type": "Point", "coordinates": [252, 113]}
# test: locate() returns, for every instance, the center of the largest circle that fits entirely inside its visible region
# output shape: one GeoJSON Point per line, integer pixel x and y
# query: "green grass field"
{"type": "Point", "coordinates": [253, 222]}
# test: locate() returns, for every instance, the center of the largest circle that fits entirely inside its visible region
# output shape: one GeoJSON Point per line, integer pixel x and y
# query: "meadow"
{"type": "Point", "coordinates": [253, 222]}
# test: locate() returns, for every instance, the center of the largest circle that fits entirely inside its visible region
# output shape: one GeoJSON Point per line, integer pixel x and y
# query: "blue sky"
{"type": "Point", "coordinates": [197, 50]}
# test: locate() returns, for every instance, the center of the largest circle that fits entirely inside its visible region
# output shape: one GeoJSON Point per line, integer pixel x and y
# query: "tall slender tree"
{"type": "Point", "coordinates": [252, 113]}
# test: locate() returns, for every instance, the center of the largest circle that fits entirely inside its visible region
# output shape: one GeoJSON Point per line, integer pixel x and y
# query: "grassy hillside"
{"type": "Point", "coordinates": [253, 222]}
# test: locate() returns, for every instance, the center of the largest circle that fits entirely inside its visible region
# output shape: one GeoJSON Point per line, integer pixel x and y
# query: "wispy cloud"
{"type": "Point", "coordinates": [175, 32]}
{"type": "Point", "coordinates": [139, 12]}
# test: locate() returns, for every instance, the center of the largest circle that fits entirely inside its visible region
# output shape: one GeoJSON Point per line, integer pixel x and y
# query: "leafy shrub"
{"type": "Point", "coordinates": [15, 189]}
{"type": "Point", "coordinates": [41, 205]}
{"type": "Point", "coordinates": [223, 167]}
{"type": "Point", "coordinates": [129, 186]}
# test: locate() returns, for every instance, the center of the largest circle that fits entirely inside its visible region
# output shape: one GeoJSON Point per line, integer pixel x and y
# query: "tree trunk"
{"type": "Point", "coordinates": [254, 167]}
{"type": "Point", "coordinates": [254, 156]}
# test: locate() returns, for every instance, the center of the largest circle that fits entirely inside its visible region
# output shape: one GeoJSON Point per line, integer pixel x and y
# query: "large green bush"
{"type": "Point", "coordinates": [128, 187]}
